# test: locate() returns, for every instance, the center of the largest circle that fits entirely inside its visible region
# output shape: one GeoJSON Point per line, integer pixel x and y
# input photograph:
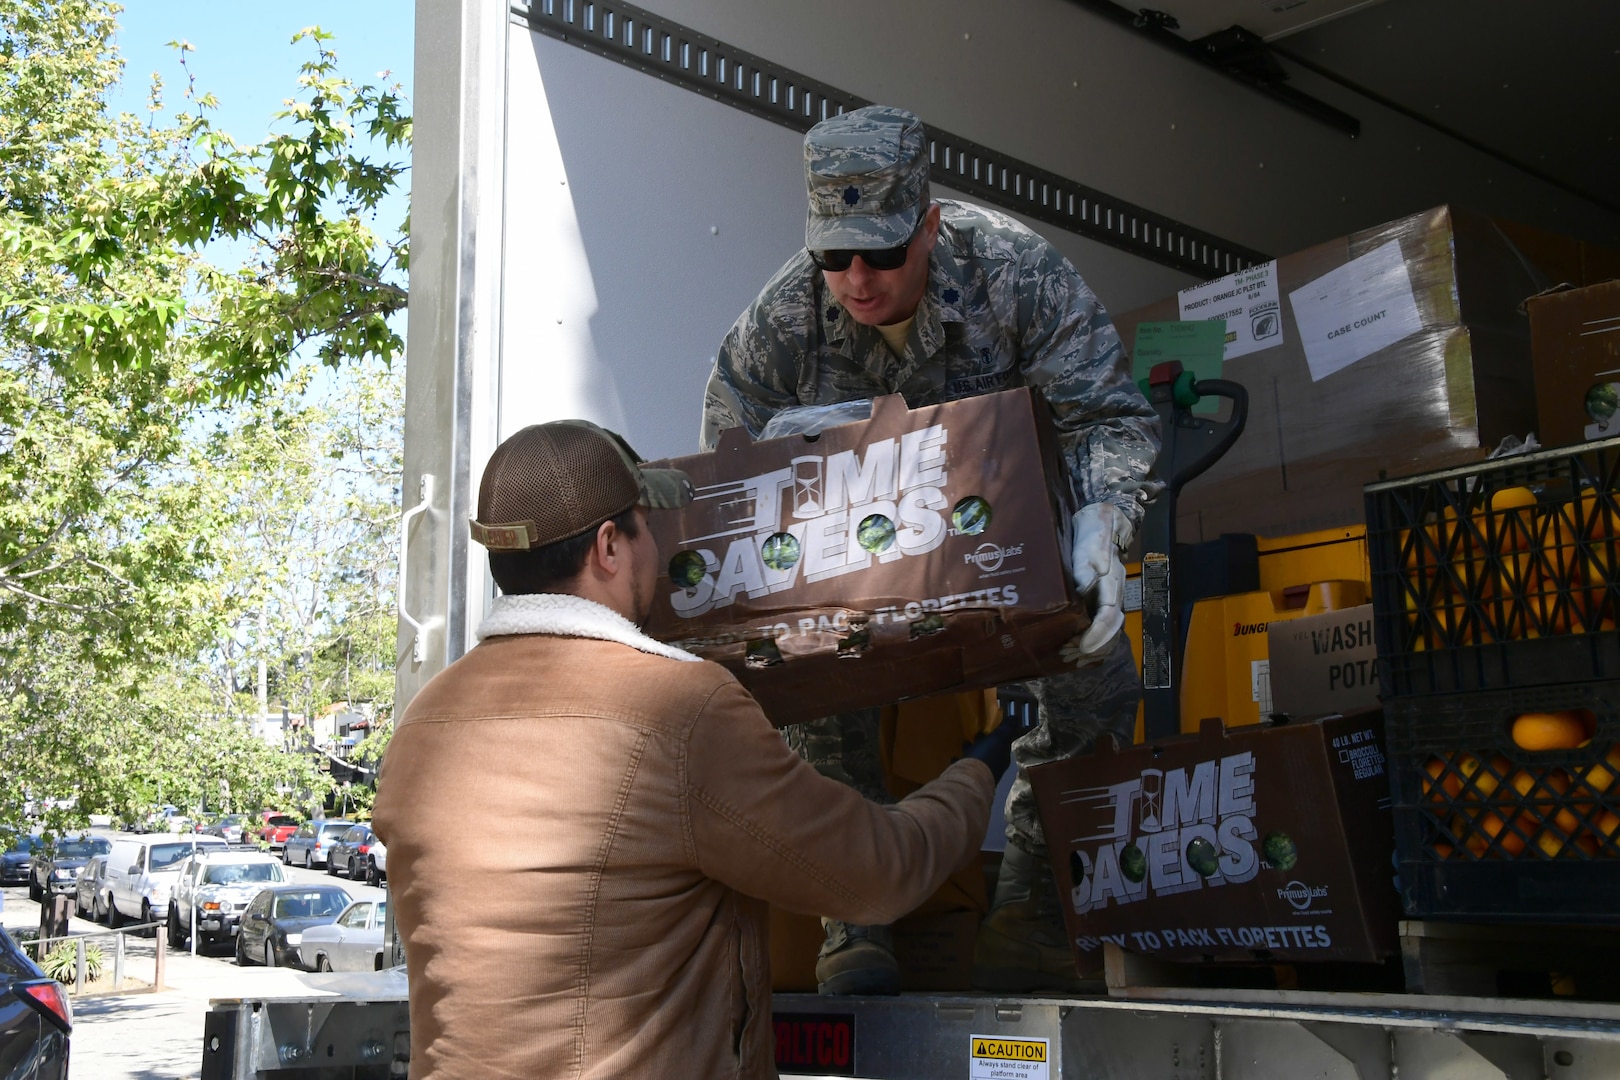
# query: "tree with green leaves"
{"type": "Point", "coordinates": [139, 382]}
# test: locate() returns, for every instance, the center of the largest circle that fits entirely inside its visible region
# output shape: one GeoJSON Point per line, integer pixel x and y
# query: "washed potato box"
{"type": "Point", "coordinates": [913, 553]}
{"type": "Point", "coordinates": [1324, 663]}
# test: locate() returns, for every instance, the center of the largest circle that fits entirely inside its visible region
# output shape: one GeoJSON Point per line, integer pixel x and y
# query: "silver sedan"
{"type": "Point", "coordinates": [353, 943]}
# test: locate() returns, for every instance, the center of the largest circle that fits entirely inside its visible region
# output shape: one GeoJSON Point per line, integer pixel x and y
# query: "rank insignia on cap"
{"type": "Point", "coordinates": [852, 195]}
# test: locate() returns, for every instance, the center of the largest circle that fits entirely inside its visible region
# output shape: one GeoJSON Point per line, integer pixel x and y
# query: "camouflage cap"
{"type": "Point", "coordinates": [866, 172]}
{"type": "Point", "coordinates": [553, 481]}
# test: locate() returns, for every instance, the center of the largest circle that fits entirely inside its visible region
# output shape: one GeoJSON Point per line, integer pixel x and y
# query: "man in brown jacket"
{"type": "Point", "coordinates": [585, 825]}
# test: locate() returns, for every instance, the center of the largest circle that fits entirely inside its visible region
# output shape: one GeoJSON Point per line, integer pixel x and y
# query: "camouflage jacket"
{"type": "Point", "coordinates": [1003, 308]}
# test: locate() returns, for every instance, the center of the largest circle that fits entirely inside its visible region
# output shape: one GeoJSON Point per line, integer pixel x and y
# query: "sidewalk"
{"type": "Point", "coordinates": [147, 1034]}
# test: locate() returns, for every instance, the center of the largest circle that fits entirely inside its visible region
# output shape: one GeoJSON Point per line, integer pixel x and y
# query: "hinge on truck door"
{"type": "Point", "coordinates": [705, 65]}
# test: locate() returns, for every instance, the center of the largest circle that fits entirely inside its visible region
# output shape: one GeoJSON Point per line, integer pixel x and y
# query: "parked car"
{"type": "Point", "coordinates": [36, 1021]}
{"type": "Point", "coordinates": [165, 819]}
{"type": "Point", "coordinates": [232, 828]}
{"type": "Point", "coordinates": [312, 843]}
{"type": "Point", "coordinates": [142, 870]}
{"type": "Point", "coordinates": [378, 860]}
{"type": "Point", "coordinates": [273, 925]}
{"type": "Point", "coordinates": [353, 942]}
{"type": "Point", "coordinates": [348, 854]}
{"type": "Point", "coordinates": [213, 890]}
{"type": "Point", "coordinates": [14, 861]}
{"type": "Point", "coordinates": [57, 871]}
{"type": "Point", "coordinates": [90, 890]}
{"type": "Point", "coordinates": [275, 827]}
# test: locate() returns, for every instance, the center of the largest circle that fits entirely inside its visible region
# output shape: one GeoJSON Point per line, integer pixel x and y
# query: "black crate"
{"type": "Point", "coordinates": [1487, 830]}
{"type": "Point", "coordinates": [1496, 575]}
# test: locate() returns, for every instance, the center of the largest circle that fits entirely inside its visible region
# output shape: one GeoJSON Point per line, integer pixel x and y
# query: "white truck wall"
{"type": "Point", "coordinates": [583, 238]}
{"type": "Point", "coordinates": [1142, 124]}
{"type": "Point", "coordinates": [640, 220]}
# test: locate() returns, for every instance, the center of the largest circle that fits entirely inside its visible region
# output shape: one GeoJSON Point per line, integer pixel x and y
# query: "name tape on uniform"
{"type": "Point", "coordinates": [992, 1057]}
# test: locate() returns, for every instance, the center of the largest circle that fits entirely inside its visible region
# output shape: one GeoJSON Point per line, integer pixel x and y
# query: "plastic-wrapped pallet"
{"type": "Point", "coordinates": [1390, 351]}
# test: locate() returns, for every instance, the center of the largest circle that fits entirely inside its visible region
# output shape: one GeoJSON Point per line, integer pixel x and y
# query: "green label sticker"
{"type": "Point", "coordinates": [1198, 344]}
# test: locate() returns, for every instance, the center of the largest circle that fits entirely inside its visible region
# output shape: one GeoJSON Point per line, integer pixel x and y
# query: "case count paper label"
{"type": "Point", "coordinates": [1353, 311]}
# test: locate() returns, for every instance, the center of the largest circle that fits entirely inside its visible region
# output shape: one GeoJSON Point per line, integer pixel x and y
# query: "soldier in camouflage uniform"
{"type": "Point", "coordinates": [940, 300]}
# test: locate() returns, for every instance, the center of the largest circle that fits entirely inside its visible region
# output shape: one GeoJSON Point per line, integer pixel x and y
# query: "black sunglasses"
{"type": "Point", "coordinates": [839, 259]}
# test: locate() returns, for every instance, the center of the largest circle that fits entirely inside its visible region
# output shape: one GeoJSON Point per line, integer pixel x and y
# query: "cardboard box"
{"type": "Point", "coordinates": [1260, 843]}
{"type": "Point", "coordinates": [914, 553]}
{"type": "Point", "coordinates": [1563, 259]}
{"type": "Point", "coordinates": [1575, 344]}
{"type": "Point", "coordinates": [1324, 663]}
{"type": "Point", "coordinates": [1390, 351]}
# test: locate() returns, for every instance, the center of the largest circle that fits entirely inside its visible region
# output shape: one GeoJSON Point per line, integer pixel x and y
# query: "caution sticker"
{"type": "Point", "coordinates": [996, 1058]}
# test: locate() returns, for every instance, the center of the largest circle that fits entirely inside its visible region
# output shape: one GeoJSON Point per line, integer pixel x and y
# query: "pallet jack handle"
{"type": "Point", "coordinates": [1189, 445]}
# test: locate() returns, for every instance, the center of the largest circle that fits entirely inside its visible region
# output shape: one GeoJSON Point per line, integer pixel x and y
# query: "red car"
{"type": "Point", "coordinates": [275, 827]}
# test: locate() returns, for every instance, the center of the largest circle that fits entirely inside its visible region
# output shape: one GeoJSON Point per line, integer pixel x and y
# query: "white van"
{"type": "Point", "coordinates": [142, 870]}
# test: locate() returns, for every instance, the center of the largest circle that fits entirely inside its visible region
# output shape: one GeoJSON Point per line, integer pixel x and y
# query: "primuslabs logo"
{"type": "Point", "coordinates": [821, 517]}
{"type": "Point", "coordinates": [1167, 831]}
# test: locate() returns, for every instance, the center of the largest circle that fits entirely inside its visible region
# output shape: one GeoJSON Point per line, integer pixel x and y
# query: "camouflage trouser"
{"type": "Point", "coordinates": [1074, 709]}
{"type": "Point", "coordinates": [844, 747]}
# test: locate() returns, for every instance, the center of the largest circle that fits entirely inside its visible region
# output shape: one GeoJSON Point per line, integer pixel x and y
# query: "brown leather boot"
{"type": "Point", "coordinates": [857, 961]}
{"type": "Point", "coordinates": [1022, 945]}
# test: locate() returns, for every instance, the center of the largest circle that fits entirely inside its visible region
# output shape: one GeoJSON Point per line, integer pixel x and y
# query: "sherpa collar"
{"type": "Point", "coordinates": [563, 615]}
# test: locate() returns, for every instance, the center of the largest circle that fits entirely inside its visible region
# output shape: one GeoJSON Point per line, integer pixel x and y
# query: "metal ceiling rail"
{"type": "Point", "coordinates": [705, 65]}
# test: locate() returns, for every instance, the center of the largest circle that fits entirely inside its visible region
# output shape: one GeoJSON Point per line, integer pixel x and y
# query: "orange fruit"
{"type": "Point", "coordinates": [1555, 845]}
{"type": "Point", "coordinates": [1481, 779]}
{"type": "Point", "coordinates": [1576, 543]}
{"type": "Point", "coordinates": [1549, 731]}
{"type": "Point", "coordinates": [1510, 498]}
{"type": "Point", "coordinates": [1512, 509]}
{"type": "Point", "coordinates": [1608, 828]}
{"type": "Point", "coordinates": [1443, 784]}
{"type": "Point", "coordinates": [1550, 785]}
{"type": "Point", "coordinates": [1493, 827]}
{"type": "Point", "coordinates": [1551, 843]}
{"type": "Point", "coordinates": [1568, 821]}
{"type": "Point", "coordinates": [1550, 609]}
{"type": "Point", "coordinates": [1589, 567]}
{"type": "Point", "coordinates": [1600, 777]}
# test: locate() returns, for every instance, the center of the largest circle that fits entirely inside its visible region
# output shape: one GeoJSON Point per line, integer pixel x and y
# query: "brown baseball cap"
{"type": "Point", "coordinates": [552, 481]}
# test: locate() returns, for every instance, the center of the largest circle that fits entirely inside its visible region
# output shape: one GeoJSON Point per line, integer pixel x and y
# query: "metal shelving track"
{"type": "Point", "coordinates": [705, 65]}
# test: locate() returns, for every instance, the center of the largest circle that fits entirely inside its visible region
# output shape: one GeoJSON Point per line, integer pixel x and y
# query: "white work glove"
{"type": "Point", "coordinates": [1100, 532]}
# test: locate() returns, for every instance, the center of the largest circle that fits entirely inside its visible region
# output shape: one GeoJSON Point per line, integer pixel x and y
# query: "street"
{"type": "Point", "coordinates": [147, 1035]}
